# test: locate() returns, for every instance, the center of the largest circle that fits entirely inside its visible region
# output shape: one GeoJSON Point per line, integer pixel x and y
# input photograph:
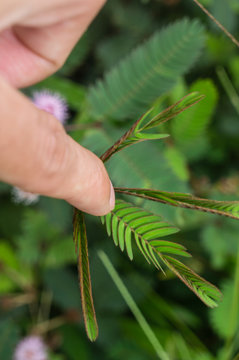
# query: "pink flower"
{"type": "Point", "coordinates": [31, 348]}
{"type": "Point", "coordinates": [24, 197]}
{"type": "Point", "coordinates": [52, 103]}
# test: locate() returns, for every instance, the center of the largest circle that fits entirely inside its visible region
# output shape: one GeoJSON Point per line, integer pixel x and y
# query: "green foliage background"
{"type": "Point", "coordinates": [38, 280]}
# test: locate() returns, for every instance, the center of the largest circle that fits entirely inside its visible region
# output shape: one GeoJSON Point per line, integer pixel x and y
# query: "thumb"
{"type": "Point", "coordinates": [38, 156]}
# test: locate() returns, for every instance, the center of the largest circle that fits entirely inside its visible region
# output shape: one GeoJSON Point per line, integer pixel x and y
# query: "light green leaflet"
{"type": "Point", "coordinates": [128, 222]}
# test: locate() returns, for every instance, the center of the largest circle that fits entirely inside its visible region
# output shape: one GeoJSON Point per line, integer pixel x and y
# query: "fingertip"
{"type": "Point", "coordinates": [112, 197]}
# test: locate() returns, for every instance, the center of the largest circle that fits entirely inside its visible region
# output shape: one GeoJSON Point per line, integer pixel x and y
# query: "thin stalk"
{"type": "Point", "coordinates": [228, 87]}
{"type": "Point", "coordinates": [133, 307]}
{"type": "Point", "coordinates": [226, 32]}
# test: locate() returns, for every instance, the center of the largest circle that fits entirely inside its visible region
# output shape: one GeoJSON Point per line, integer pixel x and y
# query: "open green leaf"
{"type": "Point", "coordinates": [127, 222]}
{"type": "Point", "coordinates": [225, 208]}
{"type": "Point", "coordinates": [80, 241]}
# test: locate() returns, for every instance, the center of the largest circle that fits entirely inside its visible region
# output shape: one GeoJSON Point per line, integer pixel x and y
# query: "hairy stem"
{"type": "Point", "coordinates": [113, 149]}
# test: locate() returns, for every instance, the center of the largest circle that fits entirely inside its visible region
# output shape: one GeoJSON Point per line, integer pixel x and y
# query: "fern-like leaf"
{"type": "Point", "coordinates": [225, 208]}
{"type": "Point", "coordinates": [151, 70]}
{"type": "Point", "coordinates": [80, 241]}
{"type": "Point", "coordinates": [207, 292]}
{"type": "Point", "coordinates": [127, 221]}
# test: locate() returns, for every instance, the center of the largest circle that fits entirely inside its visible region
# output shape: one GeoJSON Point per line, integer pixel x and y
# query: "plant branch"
{"type": "Point", "coordinates": [226, 32]}
{"type": "Point", "coordinates": [156, 120]}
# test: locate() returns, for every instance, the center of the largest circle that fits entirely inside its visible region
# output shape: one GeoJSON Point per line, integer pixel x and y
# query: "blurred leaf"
{"type": "Point", "coordinates": [4, 188]}
{"type": "Point", "coordinates": [222, 11]}
{"type": "Point", "coordinates": [221, 317]}
{"type": "Point", "coordinates": [9, 337]}
{"type": "Point", "coordinates": [178, 163]}
{"type": "Point", "coordinates": [8, 259]}
{"type": "Point", "coordinates": [60, 253]}
{"type": "Point", "coordinates": [73, 344]}
{"type": "Point", "coordinates": [63, 284]}
{"type": "Point", "coordinates": [58, 212]}
{"type": "Point", "coordinates": [234, 69]}
{"type": "Point", "coordinates": [189, 127]}
{"type": "Point", "coordinates": [77, 56]}
{"type": "Point", "coordinates": [56, 357]}
{"type": "Point", "coordinates": [42, 242]}
{"type": "Point", "coordinates": [117, 46]}
{"type": "Point", "coordinates": [151, 70]}
{"type": "Point", "coordinates": [219, 249]}
{"type": "Point", "coordinates": [129, 15]}
{"type": "Point", "coordinates": [203, 356]}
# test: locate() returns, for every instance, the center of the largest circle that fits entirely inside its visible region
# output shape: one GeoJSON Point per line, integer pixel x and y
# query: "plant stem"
{"type": "Point", "coordinates": [133, 306]}
{"type": "Point", "coordinates": [113, 149]}
{"type": "Point", "coordinates": [226, 32]}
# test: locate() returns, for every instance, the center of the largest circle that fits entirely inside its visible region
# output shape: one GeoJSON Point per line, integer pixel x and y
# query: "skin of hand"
{"type": "Point", "coordinates": [36, 154]}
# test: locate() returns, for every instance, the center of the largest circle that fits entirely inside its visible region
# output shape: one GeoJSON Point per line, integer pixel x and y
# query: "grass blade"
{"type": "Point", "coordinates": [133, 307]}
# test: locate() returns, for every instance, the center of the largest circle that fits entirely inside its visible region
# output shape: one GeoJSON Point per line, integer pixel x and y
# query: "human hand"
{"type": "Point", "coordinates": [35, 152]}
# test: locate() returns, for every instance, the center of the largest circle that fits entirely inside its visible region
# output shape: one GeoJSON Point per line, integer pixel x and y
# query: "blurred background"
{"type": "Point", "coordinates": [39, 290]}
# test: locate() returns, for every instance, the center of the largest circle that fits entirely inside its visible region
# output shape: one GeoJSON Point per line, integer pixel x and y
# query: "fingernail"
{"type": "Point", "coordinates": [112, 197]}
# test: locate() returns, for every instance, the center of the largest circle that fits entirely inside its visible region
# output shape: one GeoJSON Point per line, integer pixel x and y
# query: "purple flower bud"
{"type": "Point", "coordinates": [52, 103]}
{"type": "Point", "coordinates": [31, 348]}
